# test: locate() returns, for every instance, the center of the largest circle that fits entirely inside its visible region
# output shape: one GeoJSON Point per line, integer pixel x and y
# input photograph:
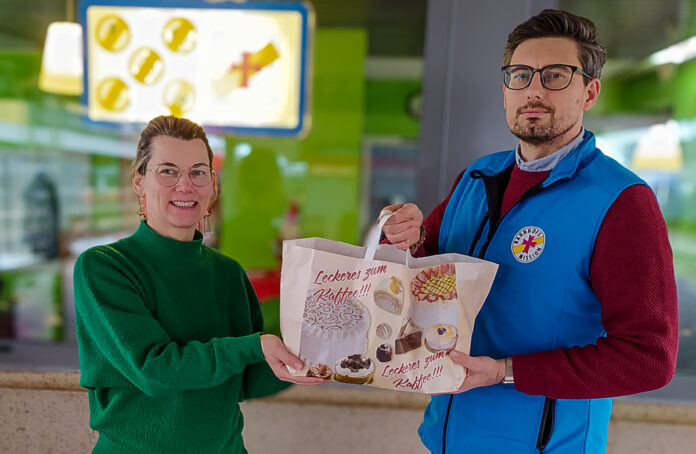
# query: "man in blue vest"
{"type": "Point", "coordinates": [584, 305]}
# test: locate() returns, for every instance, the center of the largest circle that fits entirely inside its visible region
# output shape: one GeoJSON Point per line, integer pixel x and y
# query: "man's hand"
{"type": "Point", "coordinates": [480, 370]}
{"type": "Point", "coordinates": [403, 228]}
{"type": "Point", "coordinates": [277, 356]}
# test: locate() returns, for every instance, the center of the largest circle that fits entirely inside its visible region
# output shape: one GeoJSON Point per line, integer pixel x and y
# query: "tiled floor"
{"type": "Point", "coordinates": [325, 420]}
{"type": "Point", "coordinates": [329, 429]}
{"type": "Point", "coordinates": [637, 438]}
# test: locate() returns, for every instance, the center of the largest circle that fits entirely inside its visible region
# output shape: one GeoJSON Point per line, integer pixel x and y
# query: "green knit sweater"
{"type": "Point", "coordinates": [168, 336]}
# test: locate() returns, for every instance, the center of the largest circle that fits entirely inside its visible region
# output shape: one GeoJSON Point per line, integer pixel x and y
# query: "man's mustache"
{"type": "Point", "coordinates": [535, 106]}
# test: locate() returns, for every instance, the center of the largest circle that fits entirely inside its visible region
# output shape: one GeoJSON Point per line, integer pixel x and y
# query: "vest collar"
{"type": "Point", "coordinates": [568, 167]}
{"type": "Point", "coordinates": [564, 170]}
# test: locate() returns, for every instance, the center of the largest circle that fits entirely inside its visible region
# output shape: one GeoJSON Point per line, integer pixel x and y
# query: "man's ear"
{"type": "Point", "coordinates": [591, 94]}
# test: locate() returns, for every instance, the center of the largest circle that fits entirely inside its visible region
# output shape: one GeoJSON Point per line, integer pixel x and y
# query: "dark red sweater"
{"type": "Point", "coordinates": [632, 274]}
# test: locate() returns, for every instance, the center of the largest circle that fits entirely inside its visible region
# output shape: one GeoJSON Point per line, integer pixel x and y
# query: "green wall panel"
{"type": "Point", "coordinates": [684, 91]}
{"type": "Point", "coordinates": [646, 92]}
{"type": "Point", "coordinates": [387, 107]}
{"type": "Point", "coordinates": [19, 74]}
{"type": "Point", "coordinates": [262, 177]}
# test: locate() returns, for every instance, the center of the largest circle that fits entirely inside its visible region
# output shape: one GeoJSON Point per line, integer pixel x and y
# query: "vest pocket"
{"type": "Point", "coordinates": [548, 420]}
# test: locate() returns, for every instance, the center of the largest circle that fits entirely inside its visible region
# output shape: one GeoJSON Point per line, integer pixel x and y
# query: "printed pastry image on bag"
{"type": "Point", "coordinates": [376, 316]}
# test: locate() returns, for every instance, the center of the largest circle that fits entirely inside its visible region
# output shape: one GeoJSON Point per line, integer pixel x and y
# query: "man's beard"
{"type": "Point", "coordinates": [536, 134]}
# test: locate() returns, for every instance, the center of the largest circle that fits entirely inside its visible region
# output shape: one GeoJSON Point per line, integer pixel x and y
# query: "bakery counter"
{"type": "Point", "coordinates": [329, 394]}
{"type": "Point", "coordinates": [48, 412]}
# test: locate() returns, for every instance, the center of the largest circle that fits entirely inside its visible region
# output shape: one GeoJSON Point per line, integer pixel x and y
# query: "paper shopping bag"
{"type": "Point", "coordinates": [387, 320]}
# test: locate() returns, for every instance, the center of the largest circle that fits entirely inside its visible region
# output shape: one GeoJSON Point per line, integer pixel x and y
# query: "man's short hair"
{"type": "Point", "coordinates": [553, 23]}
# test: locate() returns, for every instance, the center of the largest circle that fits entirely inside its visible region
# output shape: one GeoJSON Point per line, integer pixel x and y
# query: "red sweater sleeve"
{"type": "Point", "coordinates": [633, 277]}
{"type": "Point", "coordinates": [432, 225]}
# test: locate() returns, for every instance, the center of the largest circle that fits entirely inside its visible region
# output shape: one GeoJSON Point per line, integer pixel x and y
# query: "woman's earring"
{"type": "Point", "coordinates": [204, 224]}
{"type": "Point", "coordinates": [142, 212]}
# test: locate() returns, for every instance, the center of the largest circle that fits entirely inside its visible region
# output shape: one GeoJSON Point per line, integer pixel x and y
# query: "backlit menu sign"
{"type": "Point", "coordinates": [242, 67]}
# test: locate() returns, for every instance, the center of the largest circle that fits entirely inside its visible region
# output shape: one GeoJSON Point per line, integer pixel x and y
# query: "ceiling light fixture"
{"type": "Point", "coordinates": [676, 53]}
{"type": "Point", "coordinates": [62, 64]}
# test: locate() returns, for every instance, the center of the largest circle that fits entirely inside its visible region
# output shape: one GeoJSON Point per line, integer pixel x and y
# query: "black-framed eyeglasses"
{"type": "Point", "coordinates": [553, 77]}
{"type": "Point", "coordinates": [170, 174]}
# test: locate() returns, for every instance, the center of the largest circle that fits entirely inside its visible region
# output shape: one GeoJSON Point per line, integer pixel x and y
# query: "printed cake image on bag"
{"type": "Point", "coordinates": [334, 340]}
{"type": "Point", "coordinates": [376, 316]}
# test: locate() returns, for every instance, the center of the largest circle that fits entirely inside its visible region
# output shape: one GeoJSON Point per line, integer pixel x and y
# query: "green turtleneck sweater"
{"type": "Point", "coordinates": [168, 336]}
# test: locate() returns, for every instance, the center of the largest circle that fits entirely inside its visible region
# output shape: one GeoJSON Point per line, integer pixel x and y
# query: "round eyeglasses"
{"type": "Point", "coordinates": [170, 174]}
{"type": "Point", "coordinates": [553, 77]}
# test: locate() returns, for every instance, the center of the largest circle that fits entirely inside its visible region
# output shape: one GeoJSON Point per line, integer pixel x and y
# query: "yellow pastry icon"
{"type": "Point", "coordinates": [146, 66]}
{"type": "Point", "coordinates": [113, 94]}
{"type": "Point", "coordinates": [179, 35]}
{"type": "Point", "coordinates": [179, 96]}
{"type": "Point", "coordinates": [112, 33]}
{"type": "Point", "coordinates": [395, 285]}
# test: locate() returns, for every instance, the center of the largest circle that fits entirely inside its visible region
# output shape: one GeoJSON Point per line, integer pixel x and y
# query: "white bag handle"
{"type": "Point", "coordinates": [373, 242]}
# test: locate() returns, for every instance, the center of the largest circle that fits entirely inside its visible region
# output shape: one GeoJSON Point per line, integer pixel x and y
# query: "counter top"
{"type": "Point", "coordinates": [58, 381]}
{"type": "Point", "coordinates": [355, 396]}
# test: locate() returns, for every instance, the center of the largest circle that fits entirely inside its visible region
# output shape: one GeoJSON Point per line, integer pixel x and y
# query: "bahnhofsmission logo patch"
{"type": "Point", "coordinates": [528, 244]}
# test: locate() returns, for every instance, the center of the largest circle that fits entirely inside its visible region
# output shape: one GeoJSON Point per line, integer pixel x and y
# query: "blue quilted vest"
{"type": "Point", "coordinates": [541, 300]}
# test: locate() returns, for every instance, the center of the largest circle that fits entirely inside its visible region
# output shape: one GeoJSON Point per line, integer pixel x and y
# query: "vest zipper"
{"type": "Point", "coordinates": [549, 413]}
{"type": "Point", "coordinates": [444, 426]}
{"type": "Point", "coordinates": [477, 237]}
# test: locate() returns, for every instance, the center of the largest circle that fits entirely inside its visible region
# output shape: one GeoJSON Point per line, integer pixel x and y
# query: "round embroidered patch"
{"type": "Point", "coordinates": [528, 244]}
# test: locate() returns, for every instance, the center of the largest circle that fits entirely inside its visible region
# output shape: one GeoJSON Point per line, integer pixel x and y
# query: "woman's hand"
{"type": "Point", "coordinates": [403, 228]}
{"type": "Point", "coordinates": [277, 356]}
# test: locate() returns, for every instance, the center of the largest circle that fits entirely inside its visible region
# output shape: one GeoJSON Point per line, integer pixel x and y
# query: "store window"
{"type": "Point", "coordinates": [66, 183]}
{"type": "Point", "coordinates": [646, 119]}
{"type": "Point", "coordinates": [664, 155]}
{"type": "Point", "coordinates": [55, 202]}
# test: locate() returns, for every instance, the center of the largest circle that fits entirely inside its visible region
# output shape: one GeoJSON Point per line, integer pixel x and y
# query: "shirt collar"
{"type": "Point", "coordinates": [550, 161]}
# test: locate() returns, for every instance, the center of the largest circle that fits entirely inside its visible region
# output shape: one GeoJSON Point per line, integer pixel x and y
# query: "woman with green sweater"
{"type": "Point", "coordinates": [168, 329]}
